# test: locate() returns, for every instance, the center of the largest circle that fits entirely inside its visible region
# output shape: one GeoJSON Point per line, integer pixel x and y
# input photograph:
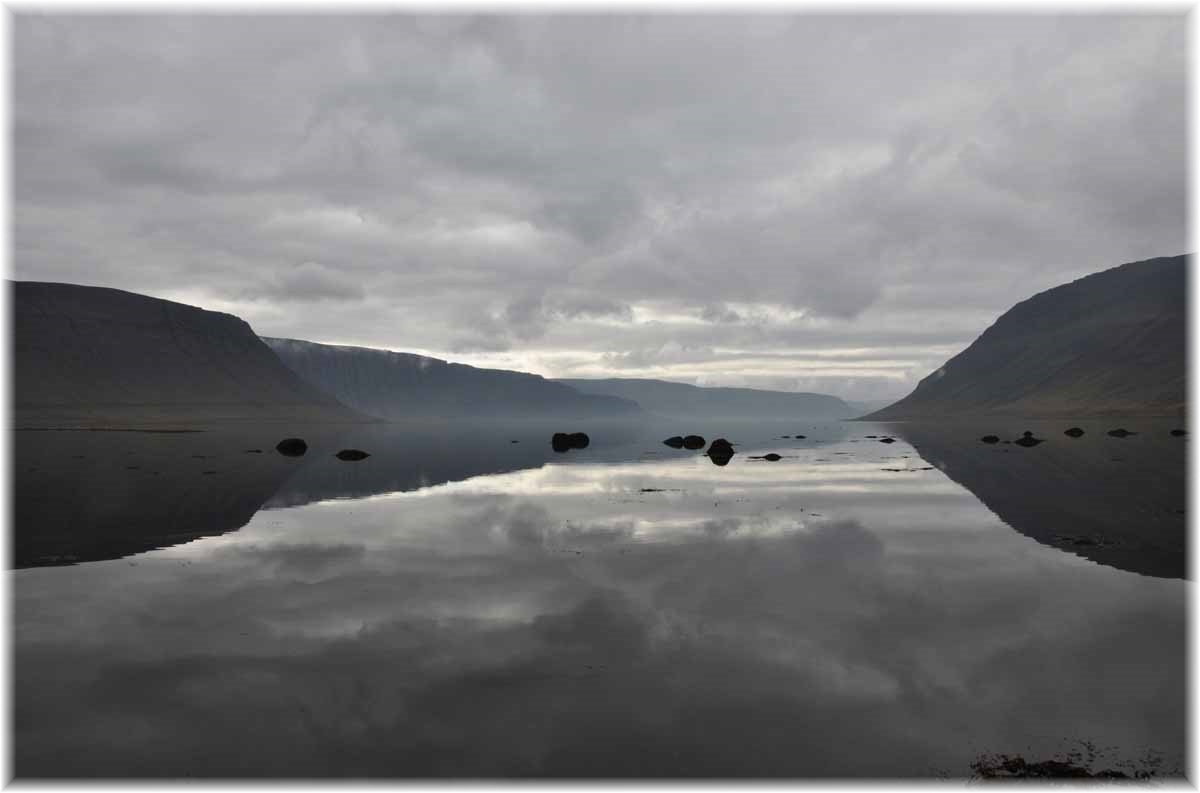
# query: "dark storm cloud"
{"type": "Point", "coordinates": [530, 191]}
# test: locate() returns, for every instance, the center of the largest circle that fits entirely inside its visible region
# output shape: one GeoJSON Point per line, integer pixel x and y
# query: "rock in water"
{"type": "Point", "coordinates": [772, 457]}
{"type": "Point", "coordinates": [990, 439]}
{"type": "Point", "coordinates": [563, 441]}
{"type": "Point", "coordinates": [800, 437]}
{"type": "Point", "coordinates": [720, 452]}
{"type": "Point", "coordinates": [1179, 433]}
{"type": "Point", "coordinates": [352, 454]}
{"type": "Point", "coordinates": [693, 442]}
{"type": "Point", "coordinates": [1074, 432]}
{"type": "Point", "coordinates": [1027, 440]}
{"type": "Point", "coordinates": [291, 447]}
{"type": "Point", "coordinates": [887, 440]}
{"type": "Point", "coordinates": [1121, 432]}
{"type": "Point", "coordinates": [675, 442]}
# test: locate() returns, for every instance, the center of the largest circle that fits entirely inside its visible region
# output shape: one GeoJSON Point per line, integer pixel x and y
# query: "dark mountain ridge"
{"type": "Point", "coordinates": [398, 385]}
{"type": "Point", "coordinates": [666, 398]}
{"type": "Point", "coordinates": [87, 356]}
{"type": "Point", "coordinates": [1111, 343]}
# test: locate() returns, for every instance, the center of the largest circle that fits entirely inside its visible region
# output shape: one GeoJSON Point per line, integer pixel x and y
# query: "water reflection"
{"type": "Point", "coordinates": [626, 611]}
{"type": "Point", "coordinates": [1117, 501]}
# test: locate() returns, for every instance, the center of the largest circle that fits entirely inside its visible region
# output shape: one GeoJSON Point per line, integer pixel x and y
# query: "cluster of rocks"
{"type": "Point", "coordinates": [1027, 439]}
{"type": "Point", "coordinates": [297, 447]}
{"type": "Point", "coordinates": [719, 451]}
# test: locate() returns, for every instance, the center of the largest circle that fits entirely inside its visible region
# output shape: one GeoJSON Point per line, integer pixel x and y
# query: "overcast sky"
{"type": "Point", "coordinates": [802, 202]}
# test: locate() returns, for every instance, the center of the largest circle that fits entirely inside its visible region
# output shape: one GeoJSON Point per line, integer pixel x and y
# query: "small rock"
{"type": "Point", "coordinates": [990, 439]}
{"type": "Point", "coordinates": [693, 442]}
{"type": "Point", "coordinates": [720, 452]}
{"type": "Point", "coordinates": [1027, 440]}
{"type": "Point", "coordinates": [675, 442]}
{"type": "Point", "coordinates": [1121, 432]}
{"type": "Point", "coordinates": [887, 440]}
{"type": "Point", "coordinates": [351, 455]}
{"type": "Point", "coordinates": [563, 441]}
{"type": "Point", "coordinates": [291, 447]}
{"type": "Point", "coordinates": [799, 437]}
{"type": "Point", "coordinates": [772, 457]}
{"type": "Point", "coordinates": [1074, 432]}
{"type": "Point", "coordinates": [1179, 433]}
{"type": "Point", "coordinates": [253, 451]}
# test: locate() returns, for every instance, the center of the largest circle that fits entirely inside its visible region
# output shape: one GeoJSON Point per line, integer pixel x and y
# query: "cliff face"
{"type": "Point", "coordinates": [89, 356]}
{"type": "Point", "coordinates": [688, 401]}
{"type": "Point", "coordinates": [395, 385]}
{"type": "Point", "coordinates": [1113, 343]}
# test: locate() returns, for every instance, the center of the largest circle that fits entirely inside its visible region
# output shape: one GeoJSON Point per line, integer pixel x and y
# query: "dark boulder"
{"type": "Point", "coordinates": [800, 437]}
{"type": "Point", "coordinates": [990, 439]}
{"type": "Point", "coordinates": [563, 441]}
{"type": "Point", "coordinates": [1179, 433]}
{"type": "Point", "coordinates": [887, 440]}
{"type": "Point", "coordinates": [693, 442]}
{"type": "Point", "coordinates": [291, 447]}
{"type": "Point", "coordinates": [352, 454]}
{"type": "Point", "coordinates": [1121, 432]}
{"type": "Point", "coordinates": [675, 442]}
{"type": "Point", "coordinates": [720, 456]}
{"type": "Point", "coordinates": [1074, 432]}
{"type": "Point", "coordinates": [720, 452]}
{"type": "Point", "coordinates": [1027, 440]}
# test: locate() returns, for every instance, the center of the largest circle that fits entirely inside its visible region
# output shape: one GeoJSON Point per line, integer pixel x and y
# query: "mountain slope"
{"type": "Point", "coordinates": [689, 401]}
{"type": "Point", "coordinates": [396, 385]}
{"type": "Point", "coordinates": [1112, 343]}
{"type": "Point", "coordinates": [90, 356]}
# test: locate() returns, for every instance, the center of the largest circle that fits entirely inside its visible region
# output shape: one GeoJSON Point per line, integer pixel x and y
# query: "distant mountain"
{"type": "Point", "coordinates": [95, 357]}
{"type": "Point", "coordinates": [397, 385]}
{"type": "Point", "coordinates": [1112, 343]}
{"type": "Point", "coordinates": [689, 401]}
{"type": "Point", "coordinates": [862, 406]}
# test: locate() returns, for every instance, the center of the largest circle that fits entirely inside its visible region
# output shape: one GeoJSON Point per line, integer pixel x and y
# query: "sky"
{"type": "Point", "coordinates": [787, 200]}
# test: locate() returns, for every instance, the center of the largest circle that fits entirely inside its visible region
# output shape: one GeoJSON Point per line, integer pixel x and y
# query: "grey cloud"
{"type": "Point", "coordinates": [560, 173]}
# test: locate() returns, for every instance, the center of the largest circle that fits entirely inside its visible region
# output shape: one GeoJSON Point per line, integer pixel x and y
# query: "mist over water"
{"type": "Point", "coordinates": [460, 604]}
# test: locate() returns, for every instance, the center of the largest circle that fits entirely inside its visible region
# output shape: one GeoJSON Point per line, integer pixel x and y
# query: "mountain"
{"type": "Point", "coordinates": [87, 356]}
{"type": "Point", "coordinates": [397, 385]}
{"type": "Point", "coordinates": [689, 401]}
{"type": "Point", "coordinates": [1112, 343]}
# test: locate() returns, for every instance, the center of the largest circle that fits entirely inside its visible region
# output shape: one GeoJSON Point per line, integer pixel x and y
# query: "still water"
{"type": "Point", "coordinates": [468, 603]}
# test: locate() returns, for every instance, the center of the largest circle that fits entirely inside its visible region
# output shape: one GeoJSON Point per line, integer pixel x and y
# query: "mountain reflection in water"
{"type": "Point", "coordinates": [460, 605]}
